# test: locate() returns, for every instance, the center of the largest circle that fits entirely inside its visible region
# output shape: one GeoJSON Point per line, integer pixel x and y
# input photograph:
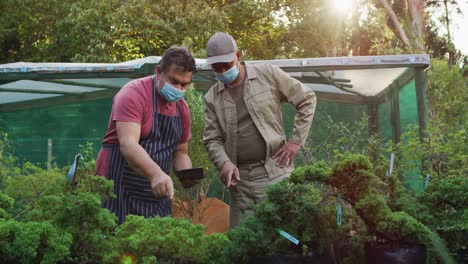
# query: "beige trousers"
{"type": "Point", "coordinates": [249, 191]}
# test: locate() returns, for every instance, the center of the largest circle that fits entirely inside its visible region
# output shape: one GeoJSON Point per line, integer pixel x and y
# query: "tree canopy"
{"type": "Point", "coordinates": [120, 30]}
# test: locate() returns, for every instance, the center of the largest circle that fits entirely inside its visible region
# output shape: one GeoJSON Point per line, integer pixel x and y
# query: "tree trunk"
{"type": "Point", "coordinates": [416, 13]}
{"type": "Point", "coordinates": [356, 34]}
{"type": "Point", "coordinates": [398, 29]}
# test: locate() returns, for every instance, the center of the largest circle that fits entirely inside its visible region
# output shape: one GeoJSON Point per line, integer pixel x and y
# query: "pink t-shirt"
{"type": "Point", "coordinates": [134, 103]}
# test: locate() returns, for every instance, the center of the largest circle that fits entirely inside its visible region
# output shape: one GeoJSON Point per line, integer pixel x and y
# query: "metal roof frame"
{"type": "Point", "coordinates": [46, 84]}
{"type": "Point", "coordinates": [363, 80]}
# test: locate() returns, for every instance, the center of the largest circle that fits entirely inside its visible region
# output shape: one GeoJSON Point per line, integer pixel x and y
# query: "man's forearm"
{"type": "Point", "coordinates": [181, 161]}
{"type": "Point", "coordinates": [217, 154]}
{"type": "Point", "coordinates": [140, 161]}
{"type": "Point", "coordinates": [304, 117]}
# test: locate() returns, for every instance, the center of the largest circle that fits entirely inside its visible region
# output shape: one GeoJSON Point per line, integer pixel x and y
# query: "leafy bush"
{"type": "Point", "coordinates": [167, 240]}
{"type": "Point", "coordinates": [6, 203]}
{"type": "Point", "coordinates": [32, 183]}
{"type": "Point", "coordinates": [355, 179]}
{"type": "Point", "coordinates": [443, 206]}
{"type": "Point", "coordinates": [447, 96]}
{"type": "Point", "coordinates": [7, 160]}
{"type": "Point", "coordinates": [31, 242]}
{"type": "Point", "coordinates": [443, 154]}
{"type": "Point", "coordinates": [80, 214]}
{"type": "Point", "coordinates": [305, 211]}
{"type": "Point", "coordinates": [251, 238]}
{"type": "Point", "coordinates": [444, 203]}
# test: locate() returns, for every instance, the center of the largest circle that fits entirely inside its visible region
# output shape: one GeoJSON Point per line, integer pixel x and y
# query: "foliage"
{"type": "Point", "coordinates": [6, 203]}
{"type": "Point", "coordinates": [444, 154]}
{"type": "Point", "coordinates": [32, 242]}
{"type": "Point", "coordinates": [89, 154]}
{"type": "Point", "coordinates": [164, 239]}
{"type": "Point", "coordinates": [289, 206]}
{"type": "Point", "coordinates": [447, 97]}
{"type": "Point", "coordinates": [197, 151]}
{"type": "Point", "coordinates": [32, 183]}
{"type": "Point", "coordinates": [340, 137]}
{"type": "Point", "coordinates": [7, 160]}
{"type": "Point", "coordinates": [80, 214]}
{"type": "Point", "coordinates": [114, 31]}
{"type": "Point", "coordinates": [355, 179]}
{"type": "Point", "coordinates": [44, 196]}
{"type": "Point", "coordinates": [445, 203]}
{"type": "Point", "coordinates": [443, 206]}
{"type": "Point", "coordinates": [248, 240]}
{"type": "Point", "coordinates": [319, 172]}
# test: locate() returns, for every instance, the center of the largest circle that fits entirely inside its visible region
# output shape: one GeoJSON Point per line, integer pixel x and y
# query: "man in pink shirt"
{"type": "Point", "coordinates": [148, 133]}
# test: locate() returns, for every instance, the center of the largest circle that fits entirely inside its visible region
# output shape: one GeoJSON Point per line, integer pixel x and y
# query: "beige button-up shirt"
{"type": "Point", "coordinates": [266, 87]}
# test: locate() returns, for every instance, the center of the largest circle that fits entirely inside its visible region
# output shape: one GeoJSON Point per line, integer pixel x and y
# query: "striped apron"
{"type": "Point", "coordinates": [134, 193]}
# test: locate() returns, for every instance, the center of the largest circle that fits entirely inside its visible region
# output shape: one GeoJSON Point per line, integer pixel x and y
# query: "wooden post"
{"type": "Point", "coordinates": [420, 83]}
{"type": "Point", "coordinates": [49, 153]}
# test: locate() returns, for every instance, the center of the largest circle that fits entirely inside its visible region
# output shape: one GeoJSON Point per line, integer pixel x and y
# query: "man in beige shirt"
{"type": "Point", "coordinates": [244, 133]}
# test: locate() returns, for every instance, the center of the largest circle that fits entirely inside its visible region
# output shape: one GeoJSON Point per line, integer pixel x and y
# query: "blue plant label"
{"type": "Point", "coordinates": [73, 167]}
{"type": "Point", "coordinates": [339, 211]}
{"type": "Point", "coordinates": [426, 182]}
{"type": "Point", "coordinates": [288, 237]}
{"type": "Point", "coordinates": [392, 161]}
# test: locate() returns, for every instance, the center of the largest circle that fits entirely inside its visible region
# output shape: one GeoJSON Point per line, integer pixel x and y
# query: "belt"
{"type": "Point", "coordinates": [250, 164]}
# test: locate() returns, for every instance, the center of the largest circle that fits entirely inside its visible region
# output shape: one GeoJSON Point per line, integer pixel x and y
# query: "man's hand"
{"type": "Point", "coordinates": [162, 185]}
{"type": "Point", "coordinates": [286, 154]}
{"type": "Point", "coordinates": [229, 174]}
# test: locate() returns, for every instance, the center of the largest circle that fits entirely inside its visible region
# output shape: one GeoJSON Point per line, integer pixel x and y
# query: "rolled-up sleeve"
{"type": "Point", "coordinates": [212, 135]}
{"type": "Point", "coordinates": [302, 97]}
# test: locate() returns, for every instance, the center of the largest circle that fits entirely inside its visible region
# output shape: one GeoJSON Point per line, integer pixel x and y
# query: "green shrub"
{"type": "Point", "coordinates": [30, 242]}
{"type": "Point", "coordinates": [80, 213]}
{"type": "Point", "coordinates": [168, 240]}
{"type": "Point", "coordinates": [6, 204]}
{"type": "Point", "coordinates": [355, 179]}
{"type": "Point", "coordinates": [305, 211]}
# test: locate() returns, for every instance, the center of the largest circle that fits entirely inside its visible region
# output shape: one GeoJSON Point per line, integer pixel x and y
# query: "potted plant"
{"type": "Point", "coordinates": [358, 184]}
{"type": "Point", "coordinates": [296, 223]}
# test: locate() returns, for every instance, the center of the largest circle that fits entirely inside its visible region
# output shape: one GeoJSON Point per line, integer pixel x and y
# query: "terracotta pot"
{"type": "Point", "coordinates": [210, 212]}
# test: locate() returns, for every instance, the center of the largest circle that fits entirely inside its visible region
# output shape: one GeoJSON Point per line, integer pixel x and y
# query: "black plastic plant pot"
{"type": "Point", "coordinates": [394, 253]}
{"type": "Point", "coordinates": [458, 239]}
{"type": "Point", "coordinates": [292, 259]}
{"type": "Point", "coordinates": [190, 177]}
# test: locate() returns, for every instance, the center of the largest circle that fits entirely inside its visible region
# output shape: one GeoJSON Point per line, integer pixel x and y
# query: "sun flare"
{"type": "Point", "coordinates": [343, 6]}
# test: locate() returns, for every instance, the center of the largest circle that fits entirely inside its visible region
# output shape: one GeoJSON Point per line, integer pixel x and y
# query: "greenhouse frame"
{"type": "Point", "coordinates": [388, 88]}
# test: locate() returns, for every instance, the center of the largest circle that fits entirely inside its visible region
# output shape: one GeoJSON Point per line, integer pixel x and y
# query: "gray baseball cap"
{"type": "Point", "coordinates": [221, 47]}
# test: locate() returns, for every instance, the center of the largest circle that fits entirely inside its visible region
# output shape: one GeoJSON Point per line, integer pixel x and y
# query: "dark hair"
{"type": "Point", "coordinates": [179, 56]}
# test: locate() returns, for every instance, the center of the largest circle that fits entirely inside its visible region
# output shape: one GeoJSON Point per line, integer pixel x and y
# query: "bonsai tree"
{"type": "Point", "coordinates": [306, 211]}
{"type": "Point", "coordinates": [355, 179]}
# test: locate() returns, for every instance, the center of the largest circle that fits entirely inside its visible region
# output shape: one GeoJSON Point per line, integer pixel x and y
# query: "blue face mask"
{"type": "Point", "coordinates": [228, 76]}
{"type": "Point", "coordinates": [170, 93]}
